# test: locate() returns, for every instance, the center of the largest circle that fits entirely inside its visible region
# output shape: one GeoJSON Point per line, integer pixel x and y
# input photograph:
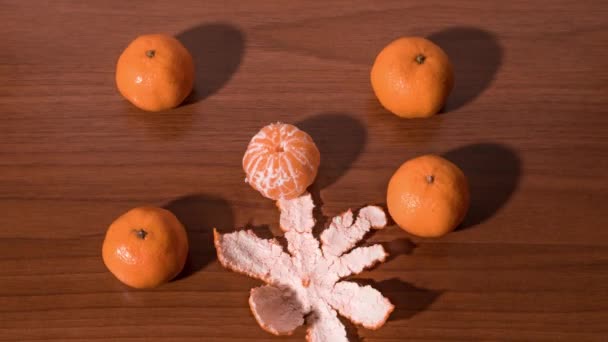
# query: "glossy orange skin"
{"type": "Point", "coordinates": [149, 261]}
{"type": "Point", "coordinates": [158, 80]}
{"type": "Point", "coordinates": [408, 85]}
{"type": "Point", "coordinates": [428, 196]}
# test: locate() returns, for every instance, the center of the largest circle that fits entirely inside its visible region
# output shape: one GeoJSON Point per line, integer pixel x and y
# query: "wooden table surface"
{"type": "Point", "coordinates": [527, 121]}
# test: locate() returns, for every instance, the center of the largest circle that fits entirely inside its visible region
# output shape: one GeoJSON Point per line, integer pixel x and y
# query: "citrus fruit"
{"type": "Point", "coordinates": [145, 247]}
{"type": "Point", "coordinates": [281, 161]}
{"type": "Point", "coordinates": [428, 196]}
{"type": "Point", "coordinates": [155, 72]}
{"type": "Point", "coordinates": [412, 77]}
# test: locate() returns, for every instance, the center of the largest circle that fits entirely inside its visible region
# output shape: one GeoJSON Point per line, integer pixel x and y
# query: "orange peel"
{"type": "Point", "coordinates": [304, 284]}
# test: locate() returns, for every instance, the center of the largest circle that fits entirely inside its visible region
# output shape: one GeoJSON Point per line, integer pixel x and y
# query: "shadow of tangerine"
{"type": "Point", "coordinates": [340, 138]}
{"type": "Point", "coordinates": [200, 213]}
{"type": "Point", "coordinates": [493, 171]}
{"type": "Point", "coordinates": [476, 57]}
{"type": "Point", "coordinates": [217, 49]}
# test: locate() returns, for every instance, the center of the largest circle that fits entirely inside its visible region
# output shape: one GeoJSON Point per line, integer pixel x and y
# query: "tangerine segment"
{"type": "Point", "coordinates": [281, 161]}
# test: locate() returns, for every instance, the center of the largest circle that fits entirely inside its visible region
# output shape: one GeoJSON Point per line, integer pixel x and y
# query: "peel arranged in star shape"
{"type": "Point", "coordinates": [303, 284]}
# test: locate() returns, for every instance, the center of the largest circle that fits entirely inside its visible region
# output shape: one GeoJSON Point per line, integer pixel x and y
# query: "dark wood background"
{"type": "Point", "coordinates": [527, 121]}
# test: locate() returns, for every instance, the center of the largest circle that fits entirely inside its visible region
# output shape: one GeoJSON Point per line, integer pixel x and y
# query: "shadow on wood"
{"type": "Point", "coordinates": [397, 247]}
{"type": "Point", "coordinates": [476, 56]}
{"type": "Point", "coordinates": [340, 138]}
{"type": "Point", "coordinates": [493, 171]}
{"type": "Point", "coordinates": [217, 49]}
{"type": "Point", "coordinates": [321, 221]}
{"type": "Point", "coordinates": [407, 299]}
{"type": "Point", "coordinates": [264, 231]}
{"type": "Point", "coordinates": [352, 333]}
{"type": "Point", "coordinates": [201, 213]}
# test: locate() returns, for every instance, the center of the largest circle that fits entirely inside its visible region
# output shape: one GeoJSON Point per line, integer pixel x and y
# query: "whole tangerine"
{"type": "Point", "coordinates": [428, 196]}
{"type": "Point", "coordinates": [412, 77]}
{"type": "Point", "coordinates": [155, 72]}
{"type": "Point", "coordinates": [145, 247]}
{"type": "Point", "coordinates": [281, 161]}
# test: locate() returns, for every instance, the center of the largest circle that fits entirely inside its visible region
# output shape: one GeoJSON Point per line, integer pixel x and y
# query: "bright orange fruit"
{"type": "Point", "coordinates": [145, 247]}
{"type": "Point", "coordinates": [281, 161]}
{"type": "Point", "coordinates": [412, 77]}
{"type": "Point", "coordinates": [428, 196]}
{"type": "Point", "coordinates": [155, 72]}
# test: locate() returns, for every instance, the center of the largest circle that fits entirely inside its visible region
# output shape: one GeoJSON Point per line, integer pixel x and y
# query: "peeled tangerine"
{"type": "Point", "coordinates": [281, 161]}
{"type": "Point", "coordinates": [304, 284]}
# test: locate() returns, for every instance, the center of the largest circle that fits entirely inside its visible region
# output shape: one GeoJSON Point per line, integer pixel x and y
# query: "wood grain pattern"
{"type": "Point", "coordinates": [527, 121]}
